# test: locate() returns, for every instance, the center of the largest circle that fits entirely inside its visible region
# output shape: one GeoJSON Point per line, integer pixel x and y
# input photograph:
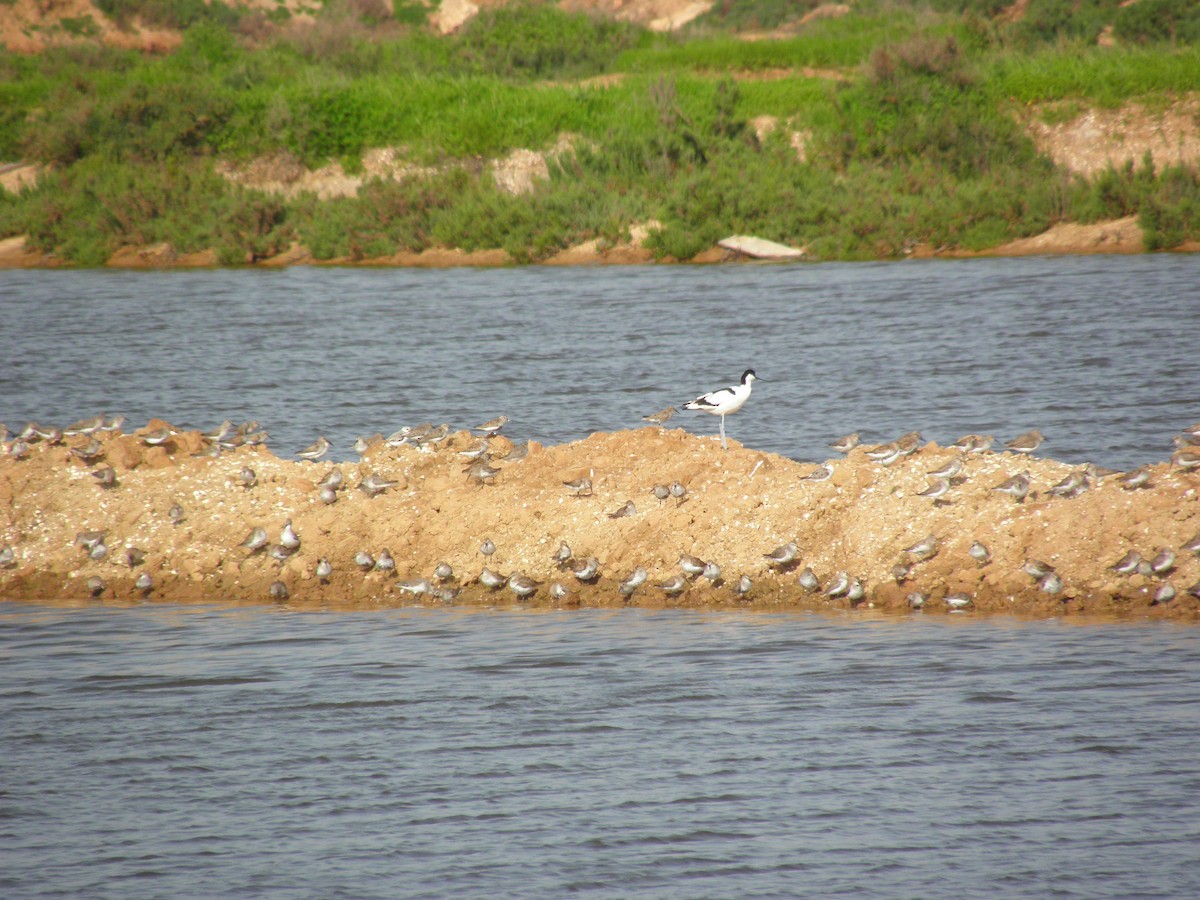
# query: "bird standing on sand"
{"type": "Point", "coordinates": [315, 450]}
{"type": "Point", "coordinates": [1025, 443]}
{"type": "Point", "coordinates": [724, 401]}
{"type": "Point", "coordinates": [661, 417]}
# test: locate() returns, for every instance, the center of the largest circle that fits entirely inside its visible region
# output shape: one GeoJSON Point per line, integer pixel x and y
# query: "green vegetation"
{"type": "Point", "coordinates": [910, 134]}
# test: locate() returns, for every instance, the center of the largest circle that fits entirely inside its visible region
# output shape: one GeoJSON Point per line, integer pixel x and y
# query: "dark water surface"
{"type": "Point", "coordinates": [1097, 352]}
{"type": "Point", "coordinates": [210, 752]}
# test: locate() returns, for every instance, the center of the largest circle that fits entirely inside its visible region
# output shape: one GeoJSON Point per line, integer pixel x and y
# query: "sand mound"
{"type": "Point", "coordinates": [739, 505]}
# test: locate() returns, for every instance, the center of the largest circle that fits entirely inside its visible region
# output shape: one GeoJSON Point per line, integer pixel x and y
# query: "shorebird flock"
{"type": "Point", "coordinates": [87, 443]}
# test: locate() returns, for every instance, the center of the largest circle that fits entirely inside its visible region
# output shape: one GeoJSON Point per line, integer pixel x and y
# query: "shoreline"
{"type": "Point", "coordinates": [739, 505]}
{"type": "Point", "coordinates": [1118, 236]}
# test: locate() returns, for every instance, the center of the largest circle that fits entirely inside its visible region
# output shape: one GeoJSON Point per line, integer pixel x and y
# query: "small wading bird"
{"type": "Point", "coordinates": [724, 401]}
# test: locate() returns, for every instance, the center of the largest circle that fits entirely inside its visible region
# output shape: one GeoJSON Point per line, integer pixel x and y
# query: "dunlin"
{"type": "Point", "coordinates": [881, 452]}
{"type": "Point", "coordinates": [517, 453]}
{"type": "Point", "coordinates": [950, 469]}
{"type": "Point", "coordinates": [808, 580]}
{"type": "Point", "coordinates": [1138, 478]}
{"type": "Point", "coordinates": [958, 600]}
{"type": "Point", "coordinates": [1016, 487]}
{"type": "Point", "coordinates": [85, 426]}
{"type": "Point", "coordinates": [384, 561]}
{"type": "Point", "coordinates": [88, 539]}
{"type": "Point", "coordinates": [692, 566]}
{"type": "Point", "coordinates": [909, 443]}
{"type": "Point", "coordinates": [661, 417]}
{"type": "Point", "coordinates": [856, 593]}
{"type": "Point", "coordinates": [255, 540]}
{"type": "Point", "coordinates": [1026, 443]}
{"type": "Point", "coordinates": [916, 600]}
{"type": "Point", "coordinates": [980, 553]}
{"type": "Point", "coordinates": [106, 477]}
{"type": "Point", "coordinates": [288, 536]}
{"type": "Point", "coordinates": [936, 490]}
{"type": "Point", "coordinates": [144, 583]}
{"type": "Point", "coordinates": [678, 491]}
{"type": "Point", "coordinates": [562, 555]}
{"type": "Point", "coordinates": [280, 553]}
{"type": "Point", "coordinates": [1192, 546]}
{"type": "Point", "coordinates": [974, 443]}
{"type": "Point", "coordinates": [1050, 583]}
{"type": "Point", "coordinates": [176, 514]}
{"type": "Point", "coordinates": [522, 585]}
{"type": "Point", "coordinates": [334, 479]}
{"type": "Point", "coordinates": [248, 477]}
{"type": "Point", "coordinates": [629, 509]}
{"type": "Point", "coordinates": [315, 450]}
{"type": "Point", "coordinates": [492, 580]}
{"type": "Point", "coordinates": [559, 592]}
{"type": "Point", "coordinates": [1163, 562]}
{"type": "Point", "coordinates": [364, 560]}
{"type": "Point", "coordinates": [782, 555]}
{"type": "Point", "coordinates": [88, 452]}
{"type": "Point", "coordinates": [487, 548]}
{"type": "Point", "coordinates": [585, 569]}
{"type": "Point", "coordinates": [743, 585]}
{"type": "Point", "coordinates": [838, 586]}
{"type": "Point", "coordinates": [820, 473]}
{"type": "Point", "coordinates": [157, 437]}
{"type": "Point", "coordinates": [8, 557]}
{"type": "Point", "coordinates": [580, 487]}
{"type": "Point", "coordinates": [712, 571]}
{"type": "Point", "coordinates": [632, 582]}
{"type": "Point", "coordinates": [414, 586]}
{"type": "Point", "coordinates": [278, 591]}
{"type": "Point", "coordinates": [492, 426]}
{"type": "Point", "coordinates": [725, 401]}
{"type": "Point", "coordinates": [847, 443]}
{"type": "Point", "coordinates": [1186, 459]}
{"type": "Point", "coordinates": [900, 572]}
{"type": "Point", "coordinates": [324, 569]}
{"type": "Point", "coordinates": [1127, 564]}
{"type": "Point", "coordinates": [482, 472]}
{"type": "Point", "coordinates": [925, 548]}
{"type": "Point", "coordinates": [1072, 485]}
{"type": "Point", "coordinates": [327, 495]}
{"type": "Point", "coordinates": [1036, 568]}
{"type": "Point", "coordinates": [443, 571]}
{"type": "Point", "coordinates": [375, 484]}
{"type": "Point", "coordinates": [661, 491]}
{"type": "Point", "coordinates": [98, 551]}
{"type": "Point", "coordinates": [95, 585]}
{"type": "Point", "coordinates": [1164, 594]}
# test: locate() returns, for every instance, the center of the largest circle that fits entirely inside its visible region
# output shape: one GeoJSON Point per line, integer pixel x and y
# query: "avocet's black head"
{"type": "Point", "coordinates": [748, 376]}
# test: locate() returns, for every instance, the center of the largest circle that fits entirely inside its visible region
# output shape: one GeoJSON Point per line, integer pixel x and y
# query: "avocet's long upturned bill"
{"type": "Point", "coordinates": [725, 401]}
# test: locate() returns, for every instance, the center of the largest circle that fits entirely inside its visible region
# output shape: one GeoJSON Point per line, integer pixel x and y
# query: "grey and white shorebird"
{"type": "Point", "coordinates": [980, 553]}
{"type": "Point", "coordinates": [1071, 485]}
{"type": "Point", "coordinates": [98, 551]}
{"type": "Point", "coordinates": [315, 450]}
{"type": "Point", "coordinates": [743, 586]}
{"type": "Point", "coordinates": [847, 443]}
{"type": "Point", "coordinates": [856, 593]}
{"type": "Point", "coordinates": [517, 453]}
{"type": "Point", "coordinates": [692, 566]}
{"type": "Point", "coordinates": [255, 540]}
{"type": "Point", "coordinates": [917, 599]}
{"type": "Point", "coordinates": [144, 583]}
{"type": "Point", "coordinates": [1027, 442]}
{"type": "Point", "coordinates": [492, 426]}
{"type": "Point", "coordinates": [926, 548]}
{"type": "Point", "coordinates": [443, 571]}
{"type": "Point", "coordinates": [87, 426]}
{"type": "Point", "coordinates": [629, 509]}
{"type": "Point", "coordinates": [384, 561]}
{"type": "Point", "coordinates": [910, 442]}
{"type": "Point", "coordinates": [678, 491]}
{"type": "Point", "coordinates": [673, 586]}
{"type": "Point", "coordinates": [157, 437]}
{"type": "Point", "coordinates": [522, 585]}
{"type": "Point", "coordinates": [580, 487]}
{"type": "Point", "coordinates": [375, 484]}
{"type": "Point", "coordinates": [820, 473]}
{"type": "Point", "coordinates": [8, 557]}
{"type": "Point", "coordinates": [562, 555]}
{"type": "Point", "coordinates": [661, 491]}
{"type": "Point", "coordinates": [839, 585]}
{"type": "Point", "coordinates": [1138, 478]}
{"type": "Point", "coordinates": [414, 586]}
{"type": "Point", "coordinates": [632, 582]}
{"type": "Point", "coordinates": [782, 555]}
{"type": "Point", "coordinates": [725, 401]}
{"type": "Point", "coordinates": [106, 477]}
{"type": "Point", "coordinates": [324, 569]}
{"type": "Point", "coordinates": [1050, 583]}
{"type": "Point", "coordinates": [957, 600]}
{"type": "Point", "coordinates": [936, 490]}
{"type": "Point", "coordinates": [288, 537]}
{"type": "Point", "coordinates": [88, 452]}
{"type": "Point", "coordinates": [487, 547]}
{"type": "Point", "coordinates": [327, 495]}
{"type": "Point", "coordinates": [1186, 459]}
{"type": "Point", "coordinates": [176, 514]}
{"type": "Point", "coordinates": [885, 454]}
{"type": "Point", "coordinates": [712, 572]}
{"type": "Point", "coordinates": [559, 592]}
{"type": "Point", "coordinates": [1036, 568]}
{"type": "Point", "coordinates": [248, 477]}
{"type": "Point", "coordinates": [974, 443]}
{"type": "Point", "coordinates": [1016, 487]}
{"type": "Point", "coordinates": [482, 472]}
{"type": "Point", "coordinates": [949, 469]}
{"type": "Point", "coordinates": [900, 572]}
{"type": "Point", "coordinates": [808, 580]}
{"type": "Point", "coordinates": [1127, 564]}
{"type": "Point", "coordinates": [280, 553]}
{"type": "Point", "coordinates": [334, 479]}
{"type": "Point", "coordinates": [88, 539]}
{"type": "Point", "coordinates": [95, 586]}
{"type": "Point", "coordinates": [364, 560]}
{"type": "Point", "coordinates": [492, 580]}
{"type": "Point", "coordinates": [1165, 594]}
{"type": "Point", "coordinates": [1163, 562]}
{"type": "Point", "coordinates": [1193, 545]}
{"type": "Point", "coordinates": [278, 591]}
{"type": "Point", "coordinates": [661, 417]}
{"type": "Point", "coordinates": [585, 569]}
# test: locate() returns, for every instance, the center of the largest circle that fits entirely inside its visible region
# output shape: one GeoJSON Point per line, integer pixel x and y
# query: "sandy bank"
{"type": "Point", "coordinates": [739, 505]}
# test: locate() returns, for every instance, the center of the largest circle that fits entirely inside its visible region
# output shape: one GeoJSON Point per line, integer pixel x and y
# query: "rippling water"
{"type": "Point", "coordinates": [1097, 352]}
{"type": "Point", "coordinates": [211, 752]}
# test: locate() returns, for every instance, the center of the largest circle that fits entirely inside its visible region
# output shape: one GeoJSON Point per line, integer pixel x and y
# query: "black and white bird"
{"type": "Point", "coordinates": [725, 401]}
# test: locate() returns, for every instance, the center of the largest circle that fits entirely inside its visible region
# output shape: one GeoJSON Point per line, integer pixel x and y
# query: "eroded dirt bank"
{"type": "Point", "coordinates": [739, 505]}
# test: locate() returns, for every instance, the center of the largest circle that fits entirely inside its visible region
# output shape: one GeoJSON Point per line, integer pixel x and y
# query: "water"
{"type": "Point", "coordinates": [1097, 352]}
{"type": "Point", "coordinates": [209, 752]}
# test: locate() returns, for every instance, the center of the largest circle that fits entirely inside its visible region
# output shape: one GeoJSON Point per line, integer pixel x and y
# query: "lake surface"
{"type": "Point", "coordinates": [1097, 352]}
{"type": "Point", "coordinates": [203, 751]}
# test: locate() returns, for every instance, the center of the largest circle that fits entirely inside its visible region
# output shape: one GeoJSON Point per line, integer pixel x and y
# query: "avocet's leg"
{"type": "Point", "coordinates": [724, 446]}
